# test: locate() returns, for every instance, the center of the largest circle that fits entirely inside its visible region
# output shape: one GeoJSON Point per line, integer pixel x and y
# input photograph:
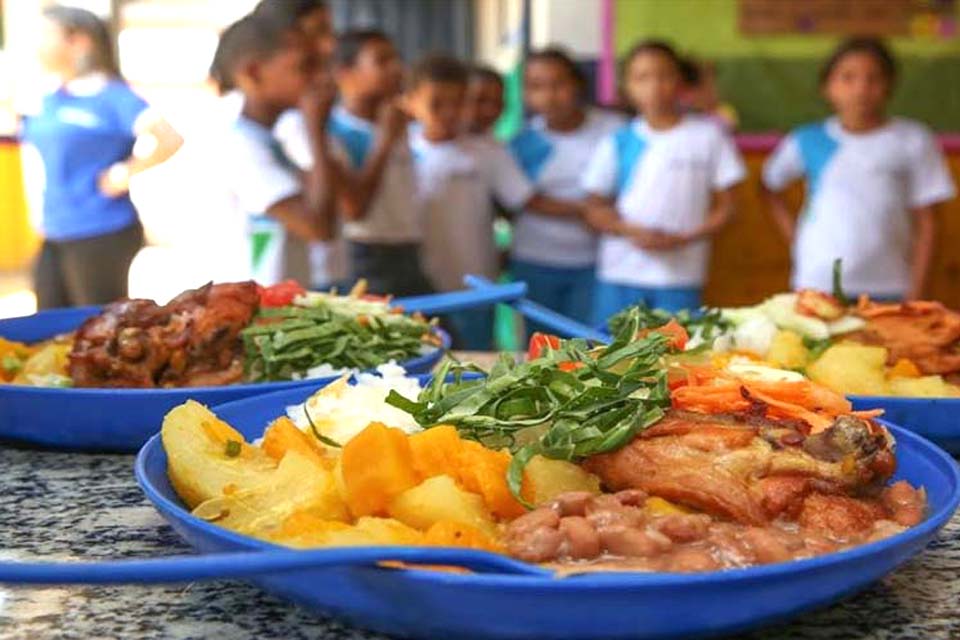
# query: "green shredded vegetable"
{"type": "Point", "coordinates": [707, 322]}
{"type": "Point", "coordinates": [538, 408]}
{"type": "Point", "coordinates": [286, 342]}
{"type": "Point", "coordinates": [838, 292]}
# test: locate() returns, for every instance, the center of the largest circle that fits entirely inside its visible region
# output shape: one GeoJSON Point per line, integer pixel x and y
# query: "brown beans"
{"type": "Point", "coordinates": [537, 545]}
{"type": "Point", "coordinates": [581, 540]}
{"type": "Point", "coordinates": [542, 517]}
{"type": "Point", "coordinates": [766, 546]}
{"type": "Point", "coordinates": [631, 497]}
{"type": "Point", "coordinates": [626, 541]}
{"type": "Point", "coordinates": [683, 527]}
{"type": "Point", "coordinates": [573, 503]}
{"type": "Point", "coordinates": [905, 504]}
{"type": "Point", "coordinates": [690, 559]}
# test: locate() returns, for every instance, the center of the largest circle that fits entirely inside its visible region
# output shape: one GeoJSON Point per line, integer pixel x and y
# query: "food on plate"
{"type": "Point", "coordinates": [627, 456]}
{"type": "Point", "coordinates": [222, 334]}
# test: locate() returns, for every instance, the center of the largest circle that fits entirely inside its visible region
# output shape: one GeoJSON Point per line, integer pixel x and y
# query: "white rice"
{"type": "Point", "coordinates": [341, 411]}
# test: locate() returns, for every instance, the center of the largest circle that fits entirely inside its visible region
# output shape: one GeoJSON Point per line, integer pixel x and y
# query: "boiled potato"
{"type": "Point", "coordinates": [787, 350]}
{"type": "Point", "coordinates": [924, 387]}
{"type": "Point", "coordinates": [550, 478]}
{"type": "Point", "coordinates": [298, 485]}
{"type": "Point", "coordinates": [200, 463]}
{"type": "Point", "coordinates": [437, 499]}
{"type": "Point", "coordinates": [305, 531]}
{"type": "Point", "coordinates": [851, 368]}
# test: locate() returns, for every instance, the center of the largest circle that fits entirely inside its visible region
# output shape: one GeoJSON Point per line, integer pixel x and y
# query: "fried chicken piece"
{"type": "Point", "coordinates": [747, 469]}
{"type": "Point", "coordinates": [191, 341]}
{"type": "Point", "coordinates": [926, 333]}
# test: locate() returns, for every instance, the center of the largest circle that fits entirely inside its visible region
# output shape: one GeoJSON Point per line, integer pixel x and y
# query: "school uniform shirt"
{"type": "Point", "coordinates": [555, 161]}
{"type": "Point", "coordinates": [661, 180]}
{"type": "Point", "coordinates": [860, 190]}
{"type": "Point", "coordinates": [457, 182]}
{"type": "Point", "coordinates": [259, 174]}
{"type": "Point", "coordinates": [328, 260]}
{"type": "Point", "coordinates": [394, 215]}
{"type": "Point", "coordinates": [82, 129]}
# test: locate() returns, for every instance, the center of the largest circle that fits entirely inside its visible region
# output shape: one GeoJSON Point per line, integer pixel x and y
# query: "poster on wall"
{"type": "Point", "coordinates": [921, 18]}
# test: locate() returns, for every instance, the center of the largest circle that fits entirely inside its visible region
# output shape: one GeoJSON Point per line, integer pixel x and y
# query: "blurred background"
{"type": "Point", "coordinates": [758, 60]}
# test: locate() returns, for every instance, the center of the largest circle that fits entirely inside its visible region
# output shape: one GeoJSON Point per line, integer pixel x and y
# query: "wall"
{"type": "Point", "coordinates": [772, 81]}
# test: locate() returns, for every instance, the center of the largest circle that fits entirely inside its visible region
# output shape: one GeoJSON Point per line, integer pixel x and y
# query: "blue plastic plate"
{"type": "Point", "coordinates": [427, 604]}
{"type": "Point", "coordinates": [936, 419]}
{"type": "Point", "coordinates": [116, 419]}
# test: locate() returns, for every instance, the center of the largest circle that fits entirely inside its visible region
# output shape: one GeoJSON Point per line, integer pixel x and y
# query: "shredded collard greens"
{"type": "Point", "coordinates": [568, 404]}
{"type": "Point", "coordinates": [286, 342]}
{"type": "Point", "coordinates": [706, 322]}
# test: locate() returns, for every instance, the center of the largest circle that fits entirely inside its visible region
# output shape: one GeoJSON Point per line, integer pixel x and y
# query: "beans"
{"type": "Point", "coordinates": [689, 559]}
{"type": "Point", "coordinates": [573, 503]}
{"type": "Point", "coordinates": [536, 545]}
{"type": "Point", "coordinates": [626, 541]}
{"type": "Point", "coordinates": [631, 497]}
{"type": "Point", "coordinates": [683, 527]}
{"type": "Point", "coordinates": [766, 546]}
{"type": "Point", "coordinates": [905, 504]}
{"type": "Point", "coordinates": [536, 519]}
{"type": "Point", "coordinates": [581, 540]}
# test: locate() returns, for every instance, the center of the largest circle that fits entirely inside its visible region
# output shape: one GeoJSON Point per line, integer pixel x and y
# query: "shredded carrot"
{"type": "Point", "coordinates": [867, 414]}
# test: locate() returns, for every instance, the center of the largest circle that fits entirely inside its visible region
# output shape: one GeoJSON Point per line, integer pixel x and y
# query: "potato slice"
{"type": "Point", "coordinates": [298, 485]}
{"type": "Point", "coordinates": [787, 350]}
{"type": "Point", "coordinates": [198, 462]}
{"type": "Point", "coordinates": [550, 478]}
{"type": "Point", "coordinates": [924, 387]}
{"type": "Point", "coordinates": [304, 531]}
{"type": "Point", "coordinates": [437, 499]}
{"type": "Point", "coordinates": [851, 368]}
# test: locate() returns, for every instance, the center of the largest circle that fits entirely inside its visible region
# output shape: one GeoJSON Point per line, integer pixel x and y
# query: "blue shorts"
{"type": "Point", "coordinates": [565, 290]}
{"type": "Point", "coordinates": [612, 298]}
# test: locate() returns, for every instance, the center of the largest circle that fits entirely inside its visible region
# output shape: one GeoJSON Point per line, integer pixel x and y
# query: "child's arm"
{"type": "Point", "coordinates": [361, 186]}
{"type": "Point", "coordinates": [311, 214]}
{"type": "Point", "coordinates": [555, 207]}
{"type": "Point", "coordinates": [924, 231]}
{"type": "Point", "coordinates": [783, 218]}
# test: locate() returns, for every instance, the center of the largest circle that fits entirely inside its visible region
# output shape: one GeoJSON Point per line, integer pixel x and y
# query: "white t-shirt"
{"type": "Point", "coordinates": [860, 190]}
{"type": "Point", "coordinates": [394, 215]}
{"type": "Point", "coordinates": [258, 175]}
{"type": "Point", "coordinates": [662, 180]}
{"type": "Point", "coordinates": [555, 161]}
{"type": "Point", "coordinates": [457, 182]}
{"type": "Point", "coordinates": [328, 260]}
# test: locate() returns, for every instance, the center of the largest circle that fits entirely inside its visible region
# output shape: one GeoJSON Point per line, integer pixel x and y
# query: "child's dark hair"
{"type": "Point", "coordinates": [351, 43]}
{"type": "Point", "coordinates": [657, 46]}
{"type": "Point", "coordinates": [486, 74]}
{"type": "Point", "coordinates": [249, 38]}
{"type": "Point", "coordinates": [871, 46]}
{"type": "Point", "coordinates": [559, 56]}
{"type": "Point", "coordinates": [287, 12]}
{"type": "Point", "coordinates": [75, 20]}
{"type": "Point", "coordinates": [440, 68]}
{"type": "Point", "coordinates": [690, 72]}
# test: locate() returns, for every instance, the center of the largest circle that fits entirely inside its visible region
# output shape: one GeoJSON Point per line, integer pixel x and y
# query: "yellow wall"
{"type": "Point", "coordinates": [18, 242]}
{"type": "Point", "coordinates": [750, 261]}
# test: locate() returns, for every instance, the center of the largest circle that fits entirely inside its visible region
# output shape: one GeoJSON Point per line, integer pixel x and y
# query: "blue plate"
{"type": "Point", "coordinates": [936, 419]}
{"type": "Point", "coordinates": [427, 604]}
{"type": "Point", "coordinates": [116, 419]}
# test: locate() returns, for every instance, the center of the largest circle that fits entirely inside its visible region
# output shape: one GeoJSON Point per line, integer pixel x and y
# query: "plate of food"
{"type": "Point", "coordinates": [102, 378]}
{"type": "Point", "coordinates": [648, 496]}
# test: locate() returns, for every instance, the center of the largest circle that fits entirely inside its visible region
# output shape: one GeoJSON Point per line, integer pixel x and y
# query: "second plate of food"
{"type": "Point", "coordinates": [215, 344]}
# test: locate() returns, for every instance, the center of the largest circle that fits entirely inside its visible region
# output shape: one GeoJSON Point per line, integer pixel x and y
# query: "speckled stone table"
{"type": "Point", "coordinates": [77, 506]}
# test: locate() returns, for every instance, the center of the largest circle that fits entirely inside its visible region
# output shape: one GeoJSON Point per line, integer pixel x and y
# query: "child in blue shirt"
{"type": "Point", "coordinates": [85, 134]}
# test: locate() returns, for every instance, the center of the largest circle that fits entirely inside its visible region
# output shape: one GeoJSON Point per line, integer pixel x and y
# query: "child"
{"type": "Point", "coordinates": [873, 183]}
{"type": "Point", "coordinates": [378, 199]}
{"type": "Point", "coordinates": [484, 102]}
{"type": "Point", "coordinates": [554, 249]}
{"type": "Point", "coordinates": [651, 186]}
{"type": "Point", "coordinates": [273, 67]}
{"type": "Point", "coordinates": [458, 177]}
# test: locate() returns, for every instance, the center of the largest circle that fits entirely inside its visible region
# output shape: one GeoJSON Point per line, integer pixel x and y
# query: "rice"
{"type": "Point", "coordinates": [340, 411]}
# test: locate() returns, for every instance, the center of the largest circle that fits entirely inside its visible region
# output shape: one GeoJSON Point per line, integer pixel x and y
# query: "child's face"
{"type": "Point", "coordinates": [438, 107]}
{"type": "Point", "coordinates": [653, 82]}
{"type": "Point", "coordinates": [318, 28]}
{"type": "Point", "coordinates": [483, 105]}
{"type": "Point", "coordinates": [282, 79]}
{"type": "Point", "coordinates": [857, 86]}
{"type": "Point", "coordinates": [549, 89]}
{"type": "Point", "coordinates": [377, 73]}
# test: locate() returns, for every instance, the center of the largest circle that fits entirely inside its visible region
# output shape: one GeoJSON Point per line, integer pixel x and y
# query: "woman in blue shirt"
{"type": "Point", "coordinates": [86, 133]}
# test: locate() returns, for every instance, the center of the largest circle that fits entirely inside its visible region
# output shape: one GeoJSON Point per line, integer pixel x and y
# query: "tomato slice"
{"type": "Point", "coordinates": [281, 294]}
{"type": "Point", "coordinates": [675, 331]}
{"type": "Point", "coordinates": [539, 343]}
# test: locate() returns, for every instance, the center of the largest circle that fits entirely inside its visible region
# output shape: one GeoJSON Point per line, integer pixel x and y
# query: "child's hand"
{"type": "Point", "coordinates": [317, 102]}
{"type": "Point", "coordinates": [392, 120]}
{"type": "Point", "coordinates": [653, 240]}
{"type": "Point", "coordinates": [115, 181]}
{"type": "Point", "coordinates": [600, 217]}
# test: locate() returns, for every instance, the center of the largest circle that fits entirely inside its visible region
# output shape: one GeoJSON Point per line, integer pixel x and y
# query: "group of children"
{"type": "Point", "coordinates": [352, 167]}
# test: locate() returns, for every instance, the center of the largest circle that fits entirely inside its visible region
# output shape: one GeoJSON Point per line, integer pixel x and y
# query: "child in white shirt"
{"type": "Point", "coordinates": [555, 250]}
{"type": "Point", "coordinates": [872, 184]}
{"type": "Point", "coordinates": [458, 176]}
{"type": "Point", "coordinates": [660, 187]}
